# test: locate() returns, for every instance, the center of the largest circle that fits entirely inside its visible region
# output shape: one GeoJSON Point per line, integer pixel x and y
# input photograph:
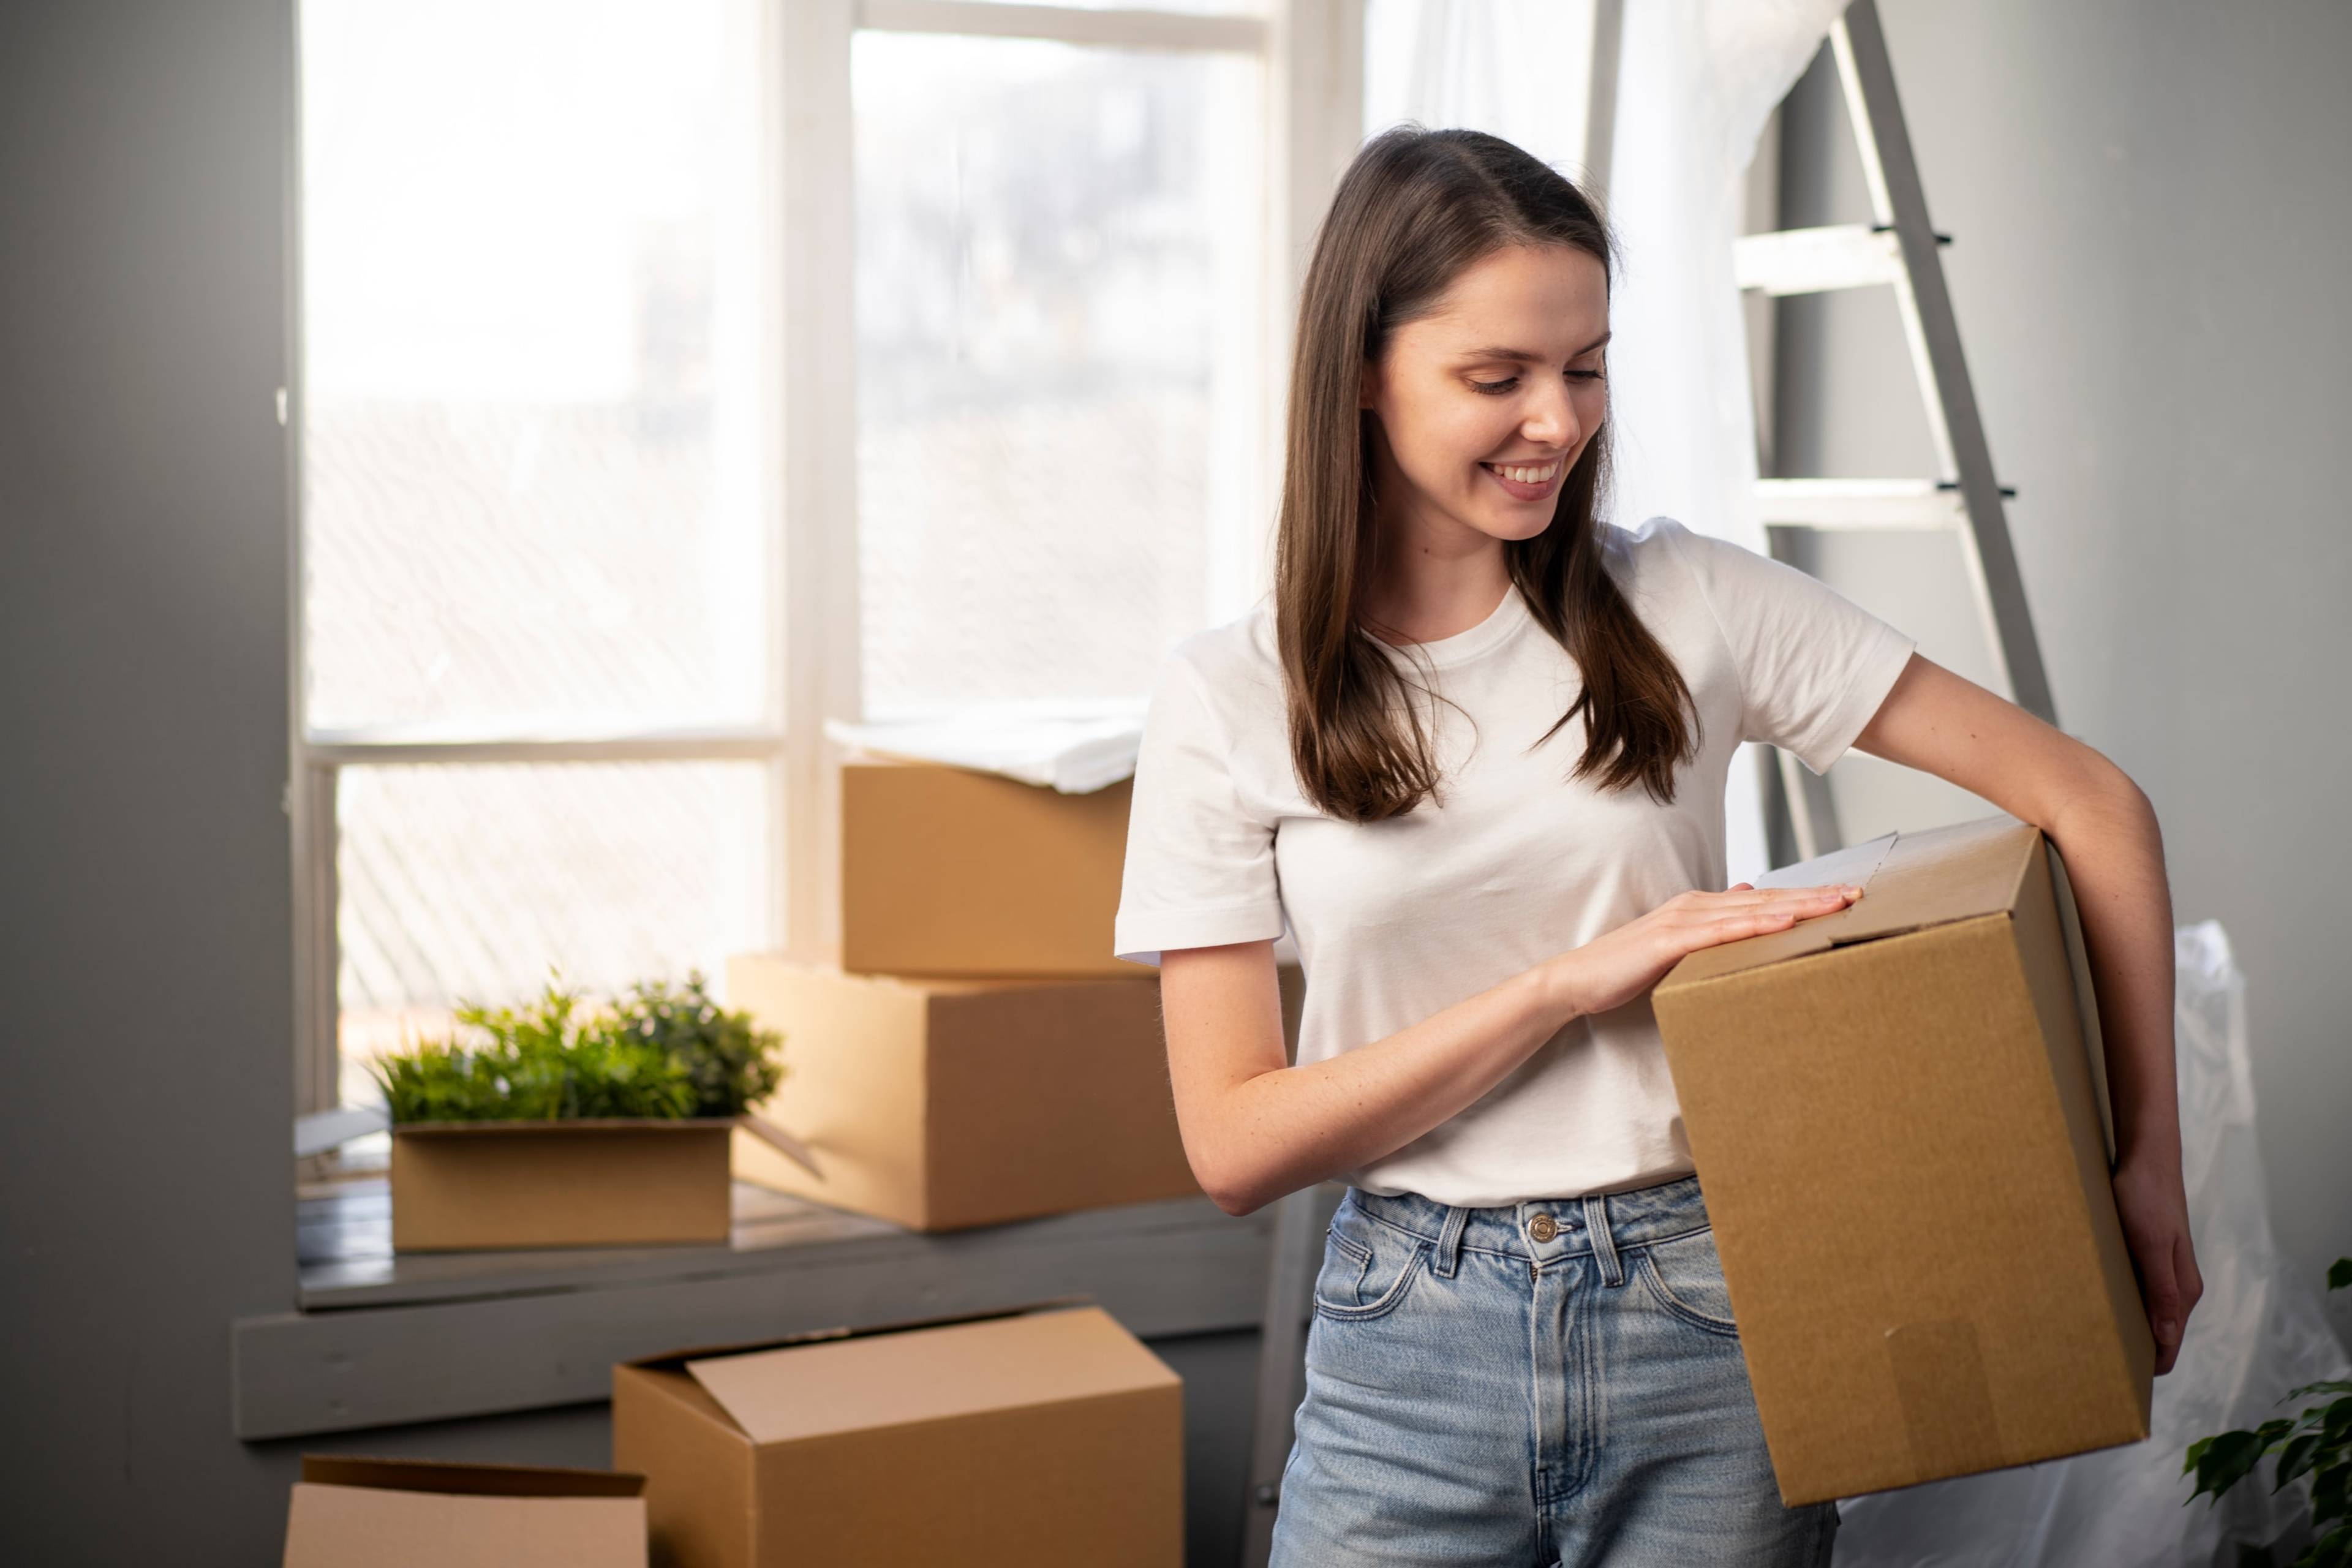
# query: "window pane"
{"type": "Point", "coordinates": [468, 882]}
{"type": "Point", "coordinates": [532, 301]}
{"type": "Point", "coordinates": [1057, 313]}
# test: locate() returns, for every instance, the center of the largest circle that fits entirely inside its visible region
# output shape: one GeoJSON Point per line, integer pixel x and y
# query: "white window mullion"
{"type": "Point", "coordinates": [1314, 120]}
{"type": "Point", "coordinates": [820, 624]}
{"type": "Point", "coordinates": [318, 1037]}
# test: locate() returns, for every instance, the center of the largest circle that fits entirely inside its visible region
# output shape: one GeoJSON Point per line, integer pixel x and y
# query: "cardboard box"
{"type": "Point", "coordinates": [458, 1186]}
{"type": "Point", "coordinates": [1897, 1115]}
{"type": "Point", "coordinates": [398, 1513]}
{"type": "Point", "coordinates": [947, 871]}
{"type": "Point", "coordinates": [940, 1103]}
{"type": "Point", "coordinates": [1032, 1440]}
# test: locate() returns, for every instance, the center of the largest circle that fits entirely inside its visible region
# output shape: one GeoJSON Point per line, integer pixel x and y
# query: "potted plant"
{"type": "Point", "coordinates": [2317, 1443]}
{"type": "Point", "coordinates": [558, 1125]}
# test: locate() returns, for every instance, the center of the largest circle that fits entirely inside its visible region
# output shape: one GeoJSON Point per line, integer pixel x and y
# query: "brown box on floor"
{"type": "Point", "coordinates": [942, 1103]}
{"type": "Point", "coordinates": [947, 871]}
{"type": "Point", "coordinates": [1897, 1116]}
{"type": "Point", "coordinates": [1042, 1439]}
{"type": "Point", "coordinates": [463, 1185]}
{"type": "Point", "coordinates": [397, 1513]}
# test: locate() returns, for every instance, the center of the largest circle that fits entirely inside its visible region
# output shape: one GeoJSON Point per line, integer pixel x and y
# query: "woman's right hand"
{"type": "Point", "coordinates": [1611, 970]}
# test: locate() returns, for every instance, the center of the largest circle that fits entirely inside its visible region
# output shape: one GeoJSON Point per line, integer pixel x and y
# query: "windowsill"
{"type": "Point", "coordinates": [382, 1339]}
{"type": "Point", "coordinates": [343, 1245]}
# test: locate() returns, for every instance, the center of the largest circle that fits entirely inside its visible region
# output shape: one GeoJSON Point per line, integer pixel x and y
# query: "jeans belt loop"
{"type": "Point", "coordinates": [1604, 1246]}
{"type": "Point", "coordinates": [1449, 1241]}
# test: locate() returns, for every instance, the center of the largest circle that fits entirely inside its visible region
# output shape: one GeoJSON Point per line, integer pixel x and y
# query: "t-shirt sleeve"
{"type": "Point", "coordinates": [1813, 665]}
{"type": "Point", "coordinates": [1199, 866]}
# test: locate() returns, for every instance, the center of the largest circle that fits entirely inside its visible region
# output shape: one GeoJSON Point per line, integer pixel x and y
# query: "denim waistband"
{"type": "Point", "coordinates": [1542, 1229]}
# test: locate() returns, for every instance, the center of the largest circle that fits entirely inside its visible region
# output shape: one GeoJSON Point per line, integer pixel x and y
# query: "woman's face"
{"type": "Point", "coordinates": [1484, 403]}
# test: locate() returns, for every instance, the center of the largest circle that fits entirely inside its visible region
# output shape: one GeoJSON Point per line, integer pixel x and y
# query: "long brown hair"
{"type": "Point", "coordinates": [1414, 209]}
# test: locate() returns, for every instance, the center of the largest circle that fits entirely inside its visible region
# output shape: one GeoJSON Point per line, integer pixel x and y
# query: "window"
{"type": "Point", "coordinates": [619, 472]}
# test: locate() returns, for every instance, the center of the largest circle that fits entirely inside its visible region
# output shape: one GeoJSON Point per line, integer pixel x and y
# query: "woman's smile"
{"type": "Point", "coordinates": [1527, 481]}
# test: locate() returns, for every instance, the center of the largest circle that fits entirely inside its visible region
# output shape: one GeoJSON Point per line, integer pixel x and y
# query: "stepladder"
{"type": "Point", "coordinates": [1898, 249]}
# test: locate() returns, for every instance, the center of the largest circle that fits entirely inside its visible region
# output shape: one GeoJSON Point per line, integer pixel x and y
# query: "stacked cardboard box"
{"type": "Point", "coordinates": [1897, 1115]}
{"type": "Point", "coordinates": [969, 1053]}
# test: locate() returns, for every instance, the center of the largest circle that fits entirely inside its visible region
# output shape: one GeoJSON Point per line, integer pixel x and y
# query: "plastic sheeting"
{"type": "Point", "coordinates": [2256, 1333]}
{"type": "Point", "coordinates": [1076, 753]}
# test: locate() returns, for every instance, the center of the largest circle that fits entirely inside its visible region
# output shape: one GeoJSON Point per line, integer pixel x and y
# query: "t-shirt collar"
{"type": "Point", "coordinates": [1491, 632]}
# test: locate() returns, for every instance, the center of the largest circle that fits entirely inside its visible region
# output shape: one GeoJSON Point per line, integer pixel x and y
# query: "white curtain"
{"type": "Point", "coordinates": [1697, 80]}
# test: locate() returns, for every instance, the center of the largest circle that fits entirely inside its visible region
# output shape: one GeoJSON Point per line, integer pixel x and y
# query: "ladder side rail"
{"type": "Point", "coordinates": [1892, 170]}
{"type": "Point", "coordinates": [1281, 1364]}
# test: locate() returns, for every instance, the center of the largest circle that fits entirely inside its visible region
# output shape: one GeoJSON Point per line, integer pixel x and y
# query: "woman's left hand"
{"type": "Point", "coordinates": [2153, 1208]}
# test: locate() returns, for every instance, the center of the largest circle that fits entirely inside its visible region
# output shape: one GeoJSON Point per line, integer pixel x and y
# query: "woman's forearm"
{"type": "Point", "coordinates": [2114, 859]}
{"type": "Point", "coordinates": [1292, 1127]}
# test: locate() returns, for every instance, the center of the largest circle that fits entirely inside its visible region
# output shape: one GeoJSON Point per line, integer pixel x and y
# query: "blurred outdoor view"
{"type": "Point", "coordinates": [536, 465]}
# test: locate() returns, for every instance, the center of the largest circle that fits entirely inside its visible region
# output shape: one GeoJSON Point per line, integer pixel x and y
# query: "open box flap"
{"type": "Point", "coordinates": [935, 1374]}
{"type": "Point", "coordinates": [677, 1360]}
{"type": "Point", "coordinates": [449, 1479]}
{"type": "Point", "coordinates": [1910, 881]}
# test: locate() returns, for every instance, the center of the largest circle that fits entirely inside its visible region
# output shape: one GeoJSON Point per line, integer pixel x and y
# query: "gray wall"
{"type": "Point", "coordinates": [2151, 207]}
{"type": "Point", "coordinates": [144, 931]}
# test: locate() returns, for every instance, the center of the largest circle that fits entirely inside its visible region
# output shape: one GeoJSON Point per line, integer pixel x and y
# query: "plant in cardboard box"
{"type": "Point", "coordinates": [659, 1052]}
{"type": "Point", "coordinates": [729, 1061]}
{"type": "Point", "coordinates": [560, 1125]}
{"type": "Point", "coordinates": [2317, 1443]}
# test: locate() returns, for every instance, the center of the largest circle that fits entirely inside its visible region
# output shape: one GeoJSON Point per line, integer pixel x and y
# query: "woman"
{"type": "Point", "coordinates": [1473, 750]}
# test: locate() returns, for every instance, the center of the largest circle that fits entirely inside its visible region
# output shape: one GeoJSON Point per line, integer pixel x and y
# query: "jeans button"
{"type": "Point", "coordinates": [1543, 1228]}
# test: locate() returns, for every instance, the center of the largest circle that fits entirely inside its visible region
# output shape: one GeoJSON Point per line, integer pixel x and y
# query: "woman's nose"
{"type": "Point", "coordinates": [1551, 420]}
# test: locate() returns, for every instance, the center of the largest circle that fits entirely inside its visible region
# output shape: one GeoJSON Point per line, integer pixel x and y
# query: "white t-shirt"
{"type": "Point", "coordinates": [1395, 921]}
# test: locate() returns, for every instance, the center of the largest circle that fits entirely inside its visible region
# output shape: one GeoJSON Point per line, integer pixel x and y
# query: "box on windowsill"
{"type": "Point", "coordinates": [622, 1181]}
{"type": "Point", "coordinates": [949, 871]}
{"type": "Point", "coordinates": [1032, 1440]}
{"type": "Point", "coordinates": [1897, 1114]}
{"type": "Point", "coordinates": [944, 1103]}
{"type": "Point", "coordinates": [397, 1513]}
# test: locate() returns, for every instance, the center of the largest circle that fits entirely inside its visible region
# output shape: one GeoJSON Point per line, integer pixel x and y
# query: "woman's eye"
{"type": "Point", "coordinates": [1585, 375]}
{"type": "Point", "coordinates": [1493, 388]}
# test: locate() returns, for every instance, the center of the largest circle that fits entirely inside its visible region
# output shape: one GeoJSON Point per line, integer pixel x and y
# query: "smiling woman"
{"type": "Point", "coordinates": [1472, 754]}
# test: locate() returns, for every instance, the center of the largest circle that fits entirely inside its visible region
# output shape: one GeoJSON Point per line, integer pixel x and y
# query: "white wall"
{"type": "Point", "coordinates": [2152, 205]}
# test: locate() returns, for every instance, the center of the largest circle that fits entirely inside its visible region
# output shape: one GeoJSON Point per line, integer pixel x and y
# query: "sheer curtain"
{"type": "Point", "coordinates": [1697, 80]}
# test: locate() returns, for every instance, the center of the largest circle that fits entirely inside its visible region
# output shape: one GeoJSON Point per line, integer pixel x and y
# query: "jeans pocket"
{"type": "Point", "coordinates": [1684, 1274]}
{"type": "Point", "coordinates": [1368, 1267]}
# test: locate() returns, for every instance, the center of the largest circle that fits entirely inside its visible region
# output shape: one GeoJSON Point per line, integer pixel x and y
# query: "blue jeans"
{"type": "Point", "coordinates": [1556, 1381]}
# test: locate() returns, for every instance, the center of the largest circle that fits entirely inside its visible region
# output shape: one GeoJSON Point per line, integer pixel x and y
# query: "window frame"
{"type": "Point", "coordinates": [1312, 118]}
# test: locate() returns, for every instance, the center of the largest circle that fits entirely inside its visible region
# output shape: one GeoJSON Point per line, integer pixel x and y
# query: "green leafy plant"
{"type": "Point", "coordinates": [661, 1054]}
{"type": "Point", "coordinates": [732, 1064]}
{"type": "Point", "coordinates": [2317, 1443]}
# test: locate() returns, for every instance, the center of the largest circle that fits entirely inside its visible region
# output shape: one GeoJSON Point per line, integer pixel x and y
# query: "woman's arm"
{"type": "Point", "coordinates": [1255, 1127]}
{"type": "Point", "coordinates": [2106, 832]}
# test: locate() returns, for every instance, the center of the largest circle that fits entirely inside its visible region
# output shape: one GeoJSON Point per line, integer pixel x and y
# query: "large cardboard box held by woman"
{"type": "Point", "coordinates": [1898, 1118]}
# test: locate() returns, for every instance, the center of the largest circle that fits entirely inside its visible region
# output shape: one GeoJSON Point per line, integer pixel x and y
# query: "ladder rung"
{"type": "Point", "coordinates": [1814, 260]}
{"type": "Point", "coordinates": [1892, 505]}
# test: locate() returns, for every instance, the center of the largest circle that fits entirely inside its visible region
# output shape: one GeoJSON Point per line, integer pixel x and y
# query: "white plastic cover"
{"type": "Point", "coordinates": [1075, 753]}
{"type": "Point", "coordinates": [2257, 1331]}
